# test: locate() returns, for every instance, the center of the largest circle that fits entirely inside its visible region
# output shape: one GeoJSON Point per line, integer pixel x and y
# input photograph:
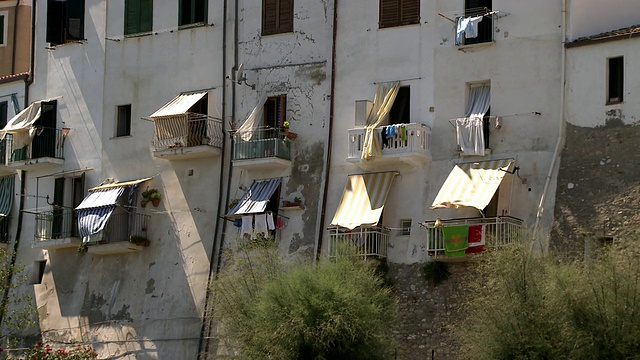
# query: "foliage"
{"type": "Point", "coordinates": [41, 351]}
{"type": "Point", "coordinates": [82, 248]}
{"type": "Point", "coordinates": [436, 272]}
{"type": "Point", "coordinates": [527, 306]}
{"type": "Point", "coordinates": [19, 313]}
{"type": "Point", "coordinates": [151, 194]}
{"type": "Point", "coordinates": [269, 308]}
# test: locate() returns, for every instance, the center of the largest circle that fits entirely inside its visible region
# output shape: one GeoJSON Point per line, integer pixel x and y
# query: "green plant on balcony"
{"type": "Point", "coordinates": [152, 195]}
{"type": "Point", "coordinates": [139, 240]}
{"type": "Point", "coordinates": [82, 248]}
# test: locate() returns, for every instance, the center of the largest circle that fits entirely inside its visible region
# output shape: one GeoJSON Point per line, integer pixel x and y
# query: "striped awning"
{"type": "Point", "coordinates": [7, 192]}
{"type": "Point", "coordinates": [179, 105]}
{"type": "Point", "coordinates": [96, 209]}
{"type": "Point", "coordinates": [472, 184]}
{"type": "Point", "coordinates": [255, 200]}
{"type": "Point", "coordinates": [363, 200]}
{"type": "Point", "coordinates": [120, 184]}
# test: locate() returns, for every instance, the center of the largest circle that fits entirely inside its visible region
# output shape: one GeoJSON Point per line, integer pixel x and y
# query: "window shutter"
{"type": "Point", "coordinates": [389, 13]}
{"type": "Point", "coordinates": [200, 13]}
{"type": "Point", "coordinates": [184, 12]}
{"type": "Point", "coordinates": [75, 19]}
{"type": "Point", "coordinates": [281, 114]}
{"type": "Point", "coordinates": [58, 191]}
{"type": "Point", "coordinates": [269, 17]}
{"type": "Point", "coordinates": [410, 12]}
{"type": "Point", "coordinates": [1, 29]}
{"type": "Point", "coordinates": [146, 16]}
{"type": "Point", "coordinates": [131, 16]}
{"type": "Point", "coordinates": [285, 16]}
{"type": "Point", "coordinates": [55, 22]}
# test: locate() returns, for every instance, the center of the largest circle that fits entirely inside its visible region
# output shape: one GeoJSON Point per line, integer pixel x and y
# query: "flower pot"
{"type": "Point", "coordinates": [155, 202]}
{"type": "Point", "coordinates": [143, 203]}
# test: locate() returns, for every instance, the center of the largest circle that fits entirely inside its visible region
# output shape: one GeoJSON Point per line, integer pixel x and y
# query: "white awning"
{"type": "Point", "coordinates": [179, 105]}
{"type": "Point", "coordinates": [21, 125]}
{"type": "Point", "coordinates": [101, 198]}
{"type": "Point", "coordinates": [255, 200]}
{"type": "Point", "coordinates": [120, 184]}
{"type": "Point", "coordinates": [363, 200]}
{"type": "Point", "coordinates": [472, 184]}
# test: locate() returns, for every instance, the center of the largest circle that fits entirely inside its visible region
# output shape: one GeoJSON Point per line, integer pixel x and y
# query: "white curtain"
{"type": "Point", "coordinates": [253, 121]}
{"type": "Point", "coordinates": [470, 129]}
{"type": "Point", "coordinates": [382, 103]}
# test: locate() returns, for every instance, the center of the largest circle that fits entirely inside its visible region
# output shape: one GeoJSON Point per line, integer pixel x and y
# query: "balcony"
{"type": "Point", "coordinates": [496, 232]}
{"type": "Point", "coordinates": [262, 149]}
{"type": "Point", "coordinates": [368, 242]}
{"type": "Point", "coordinates": [187, 137]}
{"type": "Point", "coordinates": [56, 229]}
{"type": "Point", "coordinates": [4, 168]}
{"type": "Point", "coordinates": [414, 149]}
{"type": "Point", "coordinates": [45, 150]}
{"type": "Point", "coordinates": [117, 235]}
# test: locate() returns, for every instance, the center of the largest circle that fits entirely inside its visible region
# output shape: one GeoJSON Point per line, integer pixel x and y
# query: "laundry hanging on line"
{"type": "Point", "coordinates": [467, 26]}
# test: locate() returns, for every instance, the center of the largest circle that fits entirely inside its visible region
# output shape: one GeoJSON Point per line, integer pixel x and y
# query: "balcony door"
{"type": "Point", "coordinates": [57, 228]}
{"type": "Point", "coordinates": [78, 196]}
{"type": "Point", "coordinates": [44, 143]}
{"type": "Point", "coordinates": [485, 27]}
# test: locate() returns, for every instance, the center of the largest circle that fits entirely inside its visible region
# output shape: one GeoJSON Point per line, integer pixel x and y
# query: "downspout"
{"type": "Point", "coordinates": [561, 128]}
{"type": "Point", "coordinates": [205, 331]}
{"type": "Point", "coordinates": [329, 136]}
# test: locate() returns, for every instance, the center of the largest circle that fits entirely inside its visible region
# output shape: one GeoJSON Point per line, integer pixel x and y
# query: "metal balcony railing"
{"type": "Point", "coordinates": [122, 226]}
{"type": "Point", "coordinates": [187, 131]}
{"type": "Point", "coordinates": [416, 142]}
{"type": "Point", "coordinates": [59, 223]}
{"type": "Point", "coordinates": [260, 144]}
{"type": "Point", "coordinates": [372, 241]}
{"type": "Point", "coordinates": [497, 231]}
{"type": "Point", "coordinates": [47, 142]}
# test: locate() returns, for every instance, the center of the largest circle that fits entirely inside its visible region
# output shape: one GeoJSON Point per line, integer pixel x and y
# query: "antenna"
{"type": "Point", "coordinates": [240, 78]}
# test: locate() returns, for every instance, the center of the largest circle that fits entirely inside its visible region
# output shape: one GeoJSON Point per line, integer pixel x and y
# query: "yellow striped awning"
{"type": "Point", "coordinates": [363, 200]}
{"type": "Point", "coordinates": [119, 184]}
{"type": "Point", "coordinates": [472, 184]}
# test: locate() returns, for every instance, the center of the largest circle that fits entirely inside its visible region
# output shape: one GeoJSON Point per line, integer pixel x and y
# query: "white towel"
{"type": "Point", "coordinates": [270, 223]}
{"type": "Point", "coordinates": [247, 225]}
{"type": "Point", "coordinates": [261, 224]}
{"type": "Point", "coordinates": [470, 135]}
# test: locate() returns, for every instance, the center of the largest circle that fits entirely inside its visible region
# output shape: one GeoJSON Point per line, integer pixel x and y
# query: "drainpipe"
{"type": "Point", "coordinates": [205, 331]}
{"type": "Point", "coordinates": [329, 136]}
{"type": "Point", "coordinates": [561, 127]}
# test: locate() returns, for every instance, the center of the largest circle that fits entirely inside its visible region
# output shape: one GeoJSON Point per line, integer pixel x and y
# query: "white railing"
{"type": "Point", "coordinates": [416, 142]}
{"type": "Point", "coordinates": [372, 241]}
{"type": "Point", "coordinates": [496, 232]}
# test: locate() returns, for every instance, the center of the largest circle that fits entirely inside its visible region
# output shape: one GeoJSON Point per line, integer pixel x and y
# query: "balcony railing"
{"type": "Point", "coordinates": [496, 232]}
{"type": "Point", "coordinates": [121, 227]}
{"type": "Point", "coordinates": [373, 241]}
{"type": "Point", "coordinates": [183, 131]}
{"type": "Point", "coordinates": [417, 142]}
{"type": "Point", "coordinates": [48, 142]}
{"type": "Point", "coordinates": [260, 144]}
{"type": "Point", "coordinates": [60, 223]}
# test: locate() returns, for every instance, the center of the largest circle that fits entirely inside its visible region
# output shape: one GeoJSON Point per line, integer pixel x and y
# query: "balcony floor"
{"type": "Point", "coordinates": [38, 163]}
{"type": "Point", "coordinates": [411, 159]}
{"type": "Point", "coordinates": [118, 247]}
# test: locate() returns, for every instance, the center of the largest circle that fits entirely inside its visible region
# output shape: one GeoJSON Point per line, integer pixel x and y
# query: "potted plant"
{"type": "Point", "coordinates": [285, 129]}
{"type": "Point", "coordinates": [150, 195]}
{"type": "Point", "coordinates": [155, 198]}
{"type": "Point", "coordinates": [139, 240]}
{"type": "Point", "coordinates": [296, 202]}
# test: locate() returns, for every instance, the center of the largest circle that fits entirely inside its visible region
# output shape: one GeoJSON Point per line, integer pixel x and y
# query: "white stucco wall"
{"type": "Point", "coordinates": [592, 17]}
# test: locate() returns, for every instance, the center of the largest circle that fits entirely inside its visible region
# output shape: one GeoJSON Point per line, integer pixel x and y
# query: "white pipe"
{"type": "Point", "coordinates": [561, 126]}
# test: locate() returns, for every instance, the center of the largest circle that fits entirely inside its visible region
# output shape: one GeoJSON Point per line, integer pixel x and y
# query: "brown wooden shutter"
{"type": "Point", "coordinates": [269, 17]}
{"type": "Point", "coordinates": [410, 12]}
{"type": "Point", "coordinates": [389, 13]}
{"type": "Point", "coordinates": [285, 16]}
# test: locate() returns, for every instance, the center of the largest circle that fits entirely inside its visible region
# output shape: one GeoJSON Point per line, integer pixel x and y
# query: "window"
{"type": "Point", "coordinates": [400, 110]}
{"type": "Point", "coordinates": [37, 272]}
{"type": "Point", "coordinates": [275, 111]}
{"type": "Point", "coordinates": [277, 16]}
{"type": "Point", "coordinates": [399, 12]}
{"type": "Point", "coordinates": [405, 225]}
{"type": "Point", "coordinates": [616, 80]}
{"type": "Point", "coordinates": [192, 12]}
{"type": "Point", "coordinates": [65, 21]}
{"type": "Point", "coordinates": [3, 28]}
{"type": "Point", "coordinates": [123, 122]}
{"type": "Point", "coordinates": [138, 16]}
{"type": "Point", "coordinates": [473, 8]}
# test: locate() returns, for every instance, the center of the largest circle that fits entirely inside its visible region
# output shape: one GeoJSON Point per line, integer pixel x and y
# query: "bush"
{"type": "Point", "coordinates": [41, 351]}
{"type": "Point", "coordinates": [268, 308]}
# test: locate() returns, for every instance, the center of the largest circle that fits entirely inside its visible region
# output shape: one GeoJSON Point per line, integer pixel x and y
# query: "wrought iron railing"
{"type": "Point", "coordinates": [187, 131]}
{"type": "Point", "coordinates": [122, 227]}
{"type": "Point", "coordinates": [47, 142]}
{"type": "Point", "coordinates": [496, 232]}
{"type": "Point", "coordinates": [370, 241]}
{"type": "Point", "coordinates": [259, 144]}
{"type": "Point", "coordinates": [59, 223]}
{"type": "Point", "coordinates": [416, 141]}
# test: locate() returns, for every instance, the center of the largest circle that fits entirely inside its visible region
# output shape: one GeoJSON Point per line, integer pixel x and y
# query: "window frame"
{"type": "Point", "coordinates": [140, 27]}
{"type": "Point", "coordinates": [192, 18]}
{"type": "Point", "coordinates": [127, 121]}
{"type": "Point", "coordinates": [400, 10]}
{"type": "Point", "coordinates": [4, 28]}
{"type": "Point", "coordinates": [615, 79]}
{"type": "Point", "coordinates": [279, 27]}
{"type": "Point", "coordinates": [58, 15]}
{"type": "Point", "coordinates": [485, 27]}
{"type": "Point", "coordinates": [404, 229]}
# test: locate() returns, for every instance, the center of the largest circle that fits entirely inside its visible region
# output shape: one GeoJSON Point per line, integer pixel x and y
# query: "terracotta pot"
{"type": "Point", "coordinates": [143, 203]}
{"type": "Point", "coordinates": [155, 202]}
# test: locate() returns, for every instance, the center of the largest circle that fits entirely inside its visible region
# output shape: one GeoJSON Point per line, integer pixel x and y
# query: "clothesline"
{"type": "Point", "coordinates": [471, 12]}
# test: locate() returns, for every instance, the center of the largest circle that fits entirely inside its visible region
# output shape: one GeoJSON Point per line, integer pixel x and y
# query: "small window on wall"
{"type": "Point", "coordinates": [400, 110]}
{"type": "Point", "coordinates": [138, 16]}
{"type": "Point", "coordinates": [123, 122]}
{"type": "Point", "coordinates": [399, 12]}
{"type": "Point", "coordinates": [405, 225]}
{"type": "Point", "coordinates": [3, 29]}
{"type": "Point", "coordinates": [65, 21]}
{"type": "Point", "coordinates": [277, 16]}
{"type": "Point", "coordinates": [616, 80]}
{"type": "Point", "coordinates": [192, 12]}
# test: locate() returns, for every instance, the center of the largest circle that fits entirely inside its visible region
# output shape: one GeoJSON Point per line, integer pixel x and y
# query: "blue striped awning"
{"type": "Point", "coordinates": [7, 192]}
{"type": "Point", "coordinates": [255, 200]}
{"type": "Point", "coordinates": [96, 209]}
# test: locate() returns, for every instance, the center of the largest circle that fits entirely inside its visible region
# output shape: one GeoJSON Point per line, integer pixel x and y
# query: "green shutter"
{"type": "Point", "coordinates": [131, 16]}
{"type": "Point", "coordinates": [146, 15]}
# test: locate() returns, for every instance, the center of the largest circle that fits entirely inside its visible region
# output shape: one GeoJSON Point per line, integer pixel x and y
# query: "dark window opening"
{"type": "Point", "coordinates": [138, 16]}
{"type": "Point", "coordinates": [486, 128]}
{"type": "Point", "coordinates": [399, 12]}
{"type": "Point", "coordinates": [405, 225]}
{"type": "Point", "coordinates": [201, 107]}
{"type": "Point", "coordinates": [123, 125]}
{"type": "Point", "coordinates": [198, 122]}
{"type": "Point", "coordinates": [485, 27]}
{"type": "Point", "coordinates": [400, 112]}
{"type": "Point", "coordinates": [277, 16]}
{"type": "Point", "coordinates": [192, 12]}
{"type": "Point", "coordinates": [65, 21]}
{"type": "Point", "coordinates": [2, 20]}
{"type": "Point", "coordinates": [45, 140]}
{"type": "Point", "coordinates": [616, 80]}
{"type": "Point", "coordinates": [4, 110]}
{"type": "Point", "coordinates": [275, 114]}
{"type": "Point", "coordinates": [57, 225]}
{"type": "Point", "coordinates": [492, 208]}
{"type": "Point", "coordinates": [78, 196]}
{"type": "Point", "coordinates": [40, 267]}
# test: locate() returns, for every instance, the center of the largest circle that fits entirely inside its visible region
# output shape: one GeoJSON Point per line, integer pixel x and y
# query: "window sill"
{"type": "Point", "coordinates": [120, 137]}
{"type": "Point", "coordinates": [277, 33]}
{"type": "Point", "coordinates": [463, 47]}
{"type": "Point", "coordinates": [613, 102]}
{"type": "Point", "coordinates": [72, 42]}
{"type": "Point", "coordinates": [193, 26]}
{"type": "Point", "coordinates": [397, 26]}
{"type": "Point", "coordinates": [137, 35]}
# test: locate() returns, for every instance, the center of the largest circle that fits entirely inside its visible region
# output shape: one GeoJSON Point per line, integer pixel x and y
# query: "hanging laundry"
{"type": "Point", "coordinates": [403, 132]}
{"type": "Point", "coordinates": [247, 225]}
{"type": "Point", "coordinates": [270, 224]}
{"type": "Point", "coordinates": [385, 139]}
{"type": "Point", "coordinates": [237, 222]}
{"type": "Point", "coordinates": [470, 135]}
{"type": "Point", "coordinates": [279, 223]}
{"type": "Point", "coordinates": [476, 240]}
{"type": "Point", "coordinates": [456, 240]}
{"type": "Point", "coordinates": [468, 27]}
{"type": "Point", "coordinates": [260, 226]}
{"type": "Point", "coordinates": [391, 131]}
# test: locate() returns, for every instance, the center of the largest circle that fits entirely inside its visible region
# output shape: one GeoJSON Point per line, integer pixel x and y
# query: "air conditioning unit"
{"type": "Point", "coordinates": [363, 108]}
